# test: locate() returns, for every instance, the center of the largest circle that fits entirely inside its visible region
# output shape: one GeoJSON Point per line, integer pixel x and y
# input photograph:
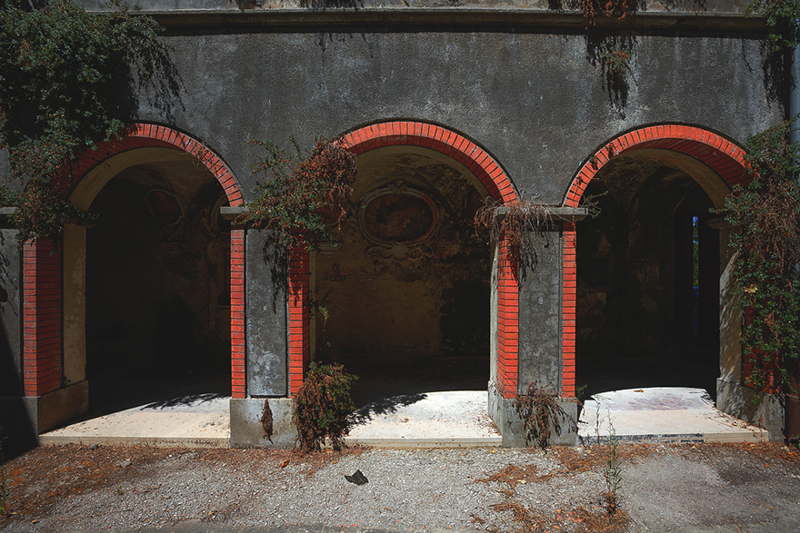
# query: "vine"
{"type": "Point", "coordinates": [60, 76]}
{"type": "Point", "coordinates": [608, 8]}
{"type": "Point", "coordinates": [511, 223]}
{"type": "Point", "coordinates": [781, 17]}
{"type": "Point", "coordinates": [302, 195]}
{"type": "Point", "coordinates": [767, 244]}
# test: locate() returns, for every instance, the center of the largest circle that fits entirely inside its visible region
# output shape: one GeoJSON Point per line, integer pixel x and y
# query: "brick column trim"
{"type": "Point", "coordinates": [299, 317]}
{"type": "Point", "coordinates": [238, 368]}
{"type": "Point", "coordinates": [507, 321]}
{"type": "Point", "coordinates": [569, 296]}
{"type": "Point", "coordinates": [41, 310]}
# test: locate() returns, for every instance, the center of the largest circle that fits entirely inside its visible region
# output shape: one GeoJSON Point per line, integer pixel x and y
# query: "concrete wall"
{"type": "Point", "coordinates": [540, 311]}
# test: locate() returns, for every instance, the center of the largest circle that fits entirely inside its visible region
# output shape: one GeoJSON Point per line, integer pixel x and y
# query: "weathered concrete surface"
{"type": "Point", "coordinates": [768, 413]}
{"type": "Point", "coordinates": [661, 415]}
{"type": "Point", "coordinates": [10, 313]}
{"type": "Point", "coordinates": [247, 430]}
{"type": "Point", "coordinates": [512, 427]}
{"type": "Point", "coordinates": [730, 325]}
{"type": "Point", "coordinates": [444, 419]}
{"type": "Point", "coordinates": [31, 415]}
{"type": "Point", "coordinates": [511, 85]}
{"type": "Point", "coordinates": [193, 423]}
{"type": "Point", "coordinates": [540, 311]}
{"type": "Point", "coordinates": [266, 279]}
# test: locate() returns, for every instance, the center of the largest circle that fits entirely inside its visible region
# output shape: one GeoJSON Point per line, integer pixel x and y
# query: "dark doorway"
{"type": "Point", "coordinates": [158, 304]}
{"type": "Point", "coordinates": [648, 271]}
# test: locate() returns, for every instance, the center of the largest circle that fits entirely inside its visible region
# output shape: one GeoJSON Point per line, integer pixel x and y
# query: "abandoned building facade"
{"type": "Point", "coordinates": [446, 105]}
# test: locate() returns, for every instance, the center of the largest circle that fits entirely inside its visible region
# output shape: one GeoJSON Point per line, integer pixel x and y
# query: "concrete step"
{"type": "Point", "coordinates": [437, 419]}
{"type": "Point", "coordinates": [661, 415]}
{"type": "Point", "coordinates": [191, 423]}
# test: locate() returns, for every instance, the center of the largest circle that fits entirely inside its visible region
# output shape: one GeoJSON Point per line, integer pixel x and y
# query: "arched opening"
{"type": "Point", "coordinates": [407, 287]}
{"type": "Point", "coordinates": [157, 285]}
{"type": "Point", "coordinates": [648, 281]}
{"type": "Point", "coordinates": [652, 308]}
{"type": "Point", "coordinates": [459, 153]}
{"type": "Point", "coordinates": [165, 290]}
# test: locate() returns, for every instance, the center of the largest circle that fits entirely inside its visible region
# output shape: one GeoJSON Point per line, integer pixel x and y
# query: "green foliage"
{"type": "Point", "coordinates": [614, 59]}
{"type": "Point", "coordinates": [607, 8]}
{"type": "Point", "coordinates": [322, 405]}
{"type": "Point", "coordinates": [302, 196]}
{"type": "Point", "coordinates": [781, 17]}
{"type": "Point", "coordinates": [767, 212]}
{"type": "Point", "coordinates": [60, 94]}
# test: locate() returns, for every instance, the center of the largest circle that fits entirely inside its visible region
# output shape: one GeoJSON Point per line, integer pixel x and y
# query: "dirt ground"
{"type": "Point", "coordinates": [698, 488]}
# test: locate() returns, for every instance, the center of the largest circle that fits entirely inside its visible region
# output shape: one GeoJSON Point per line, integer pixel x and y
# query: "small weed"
{"type": "Point", "coordinates": [540, 412]}
{"type": "Point", "coordinates": [615, 61]}
{"type": "Point", "coordinates": [120, 492]}
{"type": "Point", "coordinates": [579, 392]}
{"type": "Point", "coordinates": [612, 470]}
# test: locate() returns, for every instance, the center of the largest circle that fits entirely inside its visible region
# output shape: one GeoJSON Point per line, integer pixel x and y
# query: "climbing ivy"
{"type": "Point", "coordinates": [63, 75]}
{"type": "Point", "coordinates": [767, 242]}
{"type": "Point", "coordinates": [781, 17]}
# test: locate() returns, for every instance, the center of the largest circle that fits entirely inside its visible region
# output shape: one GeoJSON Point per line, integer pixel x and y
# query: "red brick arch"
{"type": "Point", "coordinates": [42, 282]}
{"type": "Point", "coordinates": [722, 156]}
{"type": "Point", "coordinates": [500, 188]}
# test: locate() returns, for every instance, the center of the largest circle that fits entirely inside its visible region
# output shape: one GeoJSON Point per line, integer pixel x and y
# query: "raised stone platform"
{"type": "Point", "coordinates": [194, 421]}
{"type": "Point", "coordinates": [661, 415]}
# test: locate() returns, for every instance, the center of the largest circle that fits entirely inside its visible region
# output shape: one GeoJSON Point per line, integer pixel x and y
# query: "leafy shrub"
{"type": "Point", "coordinates": [781, 17]}
{"type": "Point", "coordinates": [302, 195]}
{"type": "Point", "coordinates": [60, 94]}
{"type": "Point", "coordinates": [322, 405]}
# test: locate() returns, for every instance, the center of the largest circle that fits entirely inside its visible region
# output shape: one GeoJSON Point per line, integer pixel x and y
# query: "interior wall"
{"type": "Point", "coordinates": [157, 274]}
{"type": "Point", "coordinates": [410, 276]}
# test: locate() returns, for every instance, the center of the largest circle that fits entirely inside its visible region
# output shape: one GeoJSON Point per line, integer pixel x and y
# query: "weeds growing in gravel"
{"type": "Point", "coordinates": [612, 470]}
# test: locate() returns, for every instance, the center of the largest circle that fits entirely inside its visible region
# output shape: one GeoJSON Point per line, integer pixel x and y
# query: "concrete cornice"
{"type": "Point", "coordinates": [470, 19]}
{"type": "Point", "coordinates": [555, 214]}
{"type": "Point", "coordinates": [232, 213]}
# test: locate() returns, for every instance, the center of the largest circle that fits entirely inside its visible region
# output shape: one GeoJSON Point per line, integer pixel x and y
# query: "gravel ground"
{"type": "Point", "coordinates": [663, 488]}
